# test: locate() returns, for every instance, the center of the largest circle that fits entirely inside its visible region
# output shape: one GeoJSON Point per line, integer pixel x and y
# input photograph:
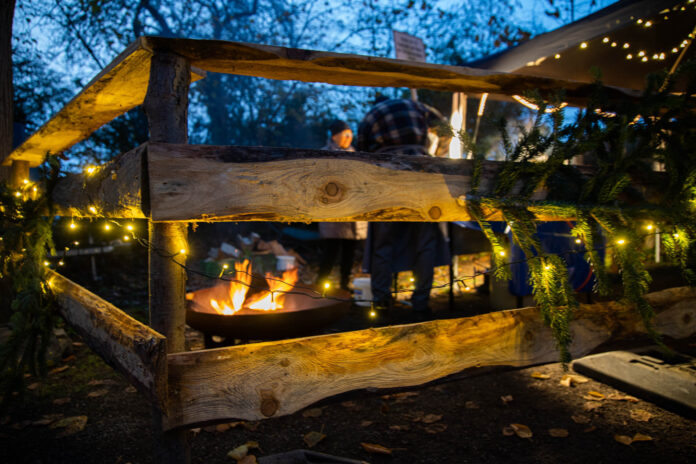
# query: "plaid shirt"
{"type": "Point", "coordinates": [396, 126]}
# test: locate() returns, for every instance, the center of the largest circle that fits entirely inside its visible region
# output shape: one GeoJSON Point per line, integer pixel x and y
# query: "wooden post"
{"type": "Point", "coordinates": [18, 172]}
{"type": "Point", "coordinates": [166, 107]}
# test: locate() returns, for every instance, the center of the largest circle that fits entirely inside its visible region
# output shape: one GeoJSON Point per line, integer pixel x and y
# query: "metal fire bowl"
{"type": "Point", "coordinates": [304, 316]}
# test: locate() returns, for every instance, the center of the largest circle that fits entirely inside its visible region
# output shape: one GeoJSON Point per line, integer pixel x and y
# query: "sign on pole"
{"type": "Point", "coordinates": [409, 47]}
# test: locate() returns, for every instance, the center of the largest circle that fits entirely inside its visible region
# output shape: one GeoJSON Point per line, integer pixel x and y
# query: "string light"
{"type": "Point", "coordinates": [129, 227]}
{"type": "Point", "coordinates": [649, 227]}
{"type": "Point", "coordinates": [578, 241]}
{"type": "Point", "coordinates": [89, 170]}
{"type": "Point", "coordinates": [626, 45]}
{"type": "Point", "coordinates": [644, 59]}
{"type": "Point", "coordinates": [583, 45]}
{"type": "Point", "coordinates": [126, 238]}
{"type": "Point", "coordinates": [73, 225]}
{"type": "Point", "coordinates": [18, 194]}
{"type": "Point", "coordinates": [614, 44]}
{"type": "Point", "coordinates": [621, 241]}
{"type": "Point", "coordinates": [605, 40]}
{"type": "Point", "coordinates": [107, 227]}
{"type": "Point", "coordinates": [92, 209]}
{"type": "Point", "coordinates": [327, 285]}
{"type": "Point", "coordinates": [373, 313]}
{"type": "Point", "coordinates": [76, 243]}
{"type": "Point", "coordinates": [25, 181]}
{"type": "Point", "coordinates": [557, 56]}
{"type": "Point", "coordinates": [182, 251]}
{"type": "Point", "coordinates": [46, 263]}
{"type": "Point", "coordinates": [60, 263]}
{"type": "Point", "coordinates": [629, 57]}
{"type": "Point", "coordinates": [648, 24]}
{"type": "Point", "coordinates": [676, 235]}
{"type": "Point", "coordinates": [640, 21]}
{"type": "Point", "coordinates": [501, 253]}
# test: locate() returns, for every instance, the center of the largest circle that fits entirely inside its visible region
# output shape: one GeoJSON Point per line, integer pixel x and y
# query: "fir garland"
{"type": "Point", "coordinates": [25, 228]}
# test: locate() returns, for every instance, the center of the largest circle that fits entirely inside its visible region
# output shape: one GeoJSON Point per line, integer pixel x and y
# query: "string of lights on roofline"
{"type": "Point", "coordinates": [640, 53]}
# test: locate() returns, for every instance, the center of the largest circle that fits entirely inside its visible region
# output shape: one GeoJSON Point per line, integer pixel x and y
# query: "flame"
{"type": "Point", "coordinates": [237, 290]}
{"type": "Point", "coordinates": [275, 298]}
{"type": "Point", "coordinates": [271, 300]}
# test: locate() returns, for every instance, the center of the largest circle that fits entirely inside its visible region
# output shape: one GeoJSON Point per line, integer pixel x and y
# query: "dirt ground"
{"type": "Point", "coordinates": [85, 412]}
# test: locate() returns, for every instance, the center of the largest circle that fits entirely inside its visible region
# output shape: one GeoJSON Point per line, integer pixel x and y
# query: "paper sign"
{"type": "Point", "coordinates": [408, 47]}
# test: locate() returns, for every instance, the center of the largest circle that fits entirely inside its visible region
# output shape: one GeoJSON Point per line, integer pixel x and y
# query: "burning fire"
{"type": "Point", "coordinates": [270, 300]}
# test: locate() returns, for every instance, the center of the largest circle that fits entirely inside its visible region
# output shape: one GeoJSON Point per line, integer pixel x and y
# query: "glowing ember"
{"type": "Point", "coordinates": [271, 300]}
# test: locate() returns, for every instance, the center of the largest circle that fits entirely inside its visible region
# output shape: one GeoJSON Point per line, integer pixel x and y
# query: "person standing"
{"type": "Point", "coordinates": [339, 238]}
{"type": "Point", "coordinates": [401, 127]}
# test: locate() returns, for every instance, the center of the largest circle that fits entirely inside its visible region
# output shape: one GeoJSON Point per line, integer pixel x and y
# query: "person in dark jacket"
{"type": "Point", "coordinates": [401, 127]}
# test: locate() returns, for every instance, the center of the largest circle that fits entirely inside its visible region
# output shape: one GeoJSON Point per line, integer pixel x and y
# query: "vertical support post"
{"type": "Point", "coordinates": [18, 172]}
{"type": "Point", "coordinates": [166, 107]}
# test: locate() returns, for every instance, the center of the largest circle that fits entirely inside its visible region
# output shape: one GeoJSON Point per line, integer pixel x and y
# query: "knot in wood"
{"type": "Point", "coordinates": [435, 212]}
{"type": "Point", "coordinates": [461, 200]}
{"type": "Point", "coordinates": [269, 404]}
{"type": "Point", "coordinates": [331, 189]}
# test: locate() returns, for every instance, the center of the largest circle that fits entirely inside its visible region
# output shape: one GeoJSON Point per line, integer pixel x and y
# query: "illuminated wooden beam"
{"type": "Point", "coordinates": [132, 348]}
{"type": "Point", "coordinates": [273, 379]}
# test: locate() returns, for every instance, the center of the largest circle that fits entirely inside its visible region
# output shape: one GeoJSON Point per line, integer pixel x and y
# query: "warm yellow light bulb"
{"type": "Point", "coordinates": [225, 266]}
{"type": "Point", "coordinates": [182, 251]}
{"type": "Point", "coordinates": [129, 227]}
{"type": "Point", "coordinates": [467, 288]}
{"type": "Point", "coordinates": [76, 243]}
{"type": "Point", "coordinates": [92, 210]}
{"type": "Point", "coordinates": [126, 238]}
{"type": "Point", "coordinates": [373, 313]}
{"type": "Point", "coordinates": [60, 263]}
{"type": "Point", "coordinates": [583, 45]}
{"type": "Point", "coordinates": [675, 50]}
{"type": "Point", "coordinates": [107, 227]}
{"type": "Point", "coordinates": [676, 235]}
{"type": "Point", "coordinates": [18, 194]}
{"type": "Point", "coordinates": [25, 181]}
{"type": "Point", "coordinates": [547, 267]}
{"type": "Point", "coordinates": [644, 59]}
{"type": "Point", "coordinates": [501, 253]}
{"type": "Point", "coordinates": [641, 53]}
{"type": "Point", "coordinates": [605, 40]}
{"type": "Point", "coordinates": [640, 21]}
{"type": "Point", "coordinates": [649, 227]}
{"type": "Point", "coordinates": [557, 56]}
{"type": "Point", "coordinates": [620, 241]}
{"type": "Point", "coordinates": [626, 45]}
{"type": "Point", "coordinates": [90, 170]}
{"type": "Point", "coordinates": [629, 57]}
{"type": "Point", "coordinates": [327, 285]}
{"type": "Point", "coordinates": [73, 225]}
{"type": "Point", "coordinates": [46, 263]}
{"type": "Point", "coordinates": [578, 241]}
{"type": "Point", "coordinates": [412, 279]}
{"type": "Point", "coordinates": [648, 23]}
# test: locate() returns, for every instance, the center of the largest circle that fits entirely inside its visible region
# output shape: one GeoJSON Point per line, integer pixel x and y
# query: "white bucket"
{"type": "Point", "coordinates": [362, 290]}
{"type": "Point", "coordinates": [285, 262]}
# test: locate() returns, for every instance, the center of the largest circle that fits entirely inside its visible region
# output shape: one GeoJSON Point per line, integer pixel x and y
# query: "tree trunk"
{"type": "Point", "coordinates": [6, 108]}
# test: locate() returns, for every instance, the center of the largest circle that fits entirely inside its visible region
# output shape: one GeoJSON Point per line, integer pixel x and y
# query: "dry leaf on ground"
{"type": "Point", "coordinates": [130, 389]}
{"type": "Point", "coordinates": [471, 405]}
{"type": "Point", "coordinates": [580, 419]}
{"type": "Point", "coordinates": [591, 406]}
{"type": "Point", "coordinates": [70, 425]}
{"type": "Point", "coordinates": [61, 401]}
{"type": "Point", "coordinates": [399, 428]}
{"type": "Point", "coordinates": [365, 423]}
{"type": "Point", "coordinates": [558, 433]}
{"type": "Point", "coordinates": [400, 397]}
{"type": "Point", "coordinates": [589, 429]}
{"type": "Point", "coordinates": [540, 376]}
{"type": "Point", "coordinates": [623, 439]}
{"type": "Point", "coordinates": [620, 397]}
{"type": "Point", "coordinates": [33, 386]}
{"type": "Point", "coordinates": [507, 399]}
{"type": "Point", "coordinates": [375, 448]}
{"type": "Point", "coordinates": [312, 438]}
{"type": "Point", "coordinates": [508, 431]}
{"type": "Point", "coordinates": [58, 369]}
{"type": "Point", "coordinates": [430, 418]}
{"type": "Point", "coordinates": [641, 437]}
{"type": "Point", "coordinates": [97, 393]}
{"type": "Point", "coordinates": [569, 380]}
{"type": "Point", "coordinates": [242, 450]}
{"type": "Point", "coordinates": [314, 412]}
{"type": "Point", "coordinates": [522, 430]}
{"type": "Point", "coordinates": [593, 396]}
{"type": "Point", "coordinates": [436, 428]}
{"type": "Point", "coordinates": [640, 415]}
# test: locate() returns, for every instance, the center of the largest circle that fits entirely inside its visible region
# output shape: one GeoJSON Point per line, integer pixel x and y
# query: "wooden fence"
{"type": "Point", "coordinates": [171, 183]}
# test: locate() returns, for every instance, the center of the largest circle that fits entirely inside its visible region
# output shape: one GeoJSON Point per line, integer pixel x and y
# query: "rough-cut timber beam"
{"type": "Point", "coordinates": [222, 183]}
{"type": "Point", "coordinates": [113, 190]}
{"type": "Point", "coordinates": [118, 88]}
{"type": "Point", "coordinates": [273, 379]}
{"type": "Point", "coordinates": [342, 69]}
{"type": "Point", "coordinates": [132, 348]}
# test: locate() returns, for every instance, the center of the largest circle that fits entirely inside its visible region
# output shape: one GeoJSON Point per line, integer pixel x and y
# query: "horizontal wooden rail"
{"type": "Point", "coordinates": [277, 378]}
{"type": "Point", "coordinates": [132, 348]}
{"type": "Point", "coordinates": [122, 85]}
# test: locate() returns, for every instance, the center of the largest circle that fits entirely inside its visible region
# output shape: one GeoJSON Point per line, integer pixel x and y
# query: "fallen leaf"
{"type": "Point", "coordinates": [130, 389]}
{"type": "Point", "coordinates": [593, 396]}
{"type": "Point", "coordinates": [430, 418]}
{"type": "Point", "coordinates": [312, 438]}
{"type": "Point", "coordinates": [508, 431]}
{"type": "Point", "coordinates": [522, 430]}
{"type": "Point", "coordinates": [61, 401]}
{"type": "Point", "coordinates": [399, 428]}
{"type": "Point", "coordinates": [242, 450]}
{"type": "Point", "coordinates": [69, 358]}
{"type": "Point", "coordinates": [640, 415]}
{"type": "Point", "coordinates": [416, 416]}
{"type": "Point", "coordinates": [248, 459]}
{"type": "Point", "coordinates": [589, 429]}
{"type": "Point", "coordinates": [558, 433]}
{"type": "Point", "coordinates": [374, 448]}
{"type": "Point", "coordinates": [591, 406]}
{"type": "Point", "coordinates": [365, 423]}
{"type": "Point", "coordinates": [436, 428]}
{"type": "Point", "coordinates": [507, 399]}
{"type": "Point", "coordinates": [619, 397]}
{"type": "Point", "coordinates": [569, 380]}
{"type": "Point", "coordinates": [70, 425]}
{"type": "Point", "coordinates": [78, 344]}
{"type": "Point", "coordinates": [97, 393]}
{"type": "Point", "coordinates": [58, 370]}
{"type": "Point", "coordinates": [580, 419]}
{"type": "Point", "coordinates": [641, 437]}
{"type": "Point", "coordinates": [33, 386]}
{"type": "Point", "coordinates": [314, 412]}
{"type": "Point", "coordinates": [540, 376]}
{"type": "Point", "coordinates": [398, 396]}
{"type": "Point", "coordinates": [623, 439]}
{"type": "Point", "coordinates": [98, 382]}
{"type": "Point", "coordinates": [471, 405]}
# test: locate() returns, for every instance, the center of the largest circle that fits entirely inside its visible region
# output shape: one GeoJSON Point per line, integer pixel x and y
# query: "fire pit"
{"type": "Point", "coordinates": [284, 310]}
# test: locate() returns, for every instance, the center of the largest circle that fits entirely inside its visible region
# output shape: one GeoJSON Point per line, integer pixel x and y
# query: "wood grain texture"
{"type": "Point", "coordinates": [278, 378]}
{"type": "Point", "coordinates": [216, 183]}
{"type": "Point", "coordinates": [118, 88]}
{"type": "Point", "coordinates": [343, 69]}
{"type": "Point", "coordinates": [114, 190]}
{"type": "Point", "coordinates": [132, 348]}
